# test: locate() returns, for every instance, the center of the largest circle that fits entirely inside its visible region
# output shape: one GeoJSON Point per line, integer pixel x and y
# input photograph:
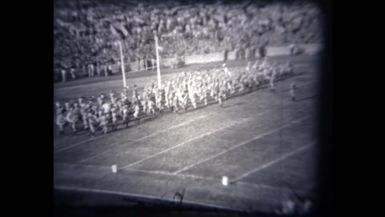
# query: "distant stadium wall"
{"type": "Point", "coordinates": [310, 49]}
{"type": "Point", "coordinates": [204, 58]}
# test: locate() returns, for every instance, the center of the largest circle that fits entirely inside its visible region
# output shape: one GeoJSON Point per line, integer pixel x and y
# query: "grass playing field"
{"type": "Point", "coordinates": [263, 142]}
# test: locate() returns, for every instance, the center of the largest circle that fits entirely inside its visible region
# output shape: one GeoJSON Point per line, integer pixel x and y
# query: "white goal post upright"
{"type": "Point", "coordinates": [157, 60]}
{"type": "Point", "coordinates": [122, 64]}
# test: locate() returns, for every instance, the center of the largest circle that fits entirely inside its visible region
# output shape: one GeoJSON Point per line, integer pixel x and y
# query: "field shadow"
{"type": "Point", "coordinates": [306, 98]}
{"type": "Point", "coordinates": [232, 105]}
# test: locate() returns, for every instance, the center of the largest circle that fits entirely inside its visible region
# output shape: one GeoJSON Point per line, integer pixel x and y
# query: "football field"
{"type": "Point", "coordinates": [262, 141]}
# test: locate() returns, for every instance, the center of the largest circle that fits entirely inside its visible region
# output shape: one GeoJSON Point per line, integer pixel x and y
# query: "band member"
{"type": "Point", "coordinates": [92, 120]}
{"type": "Point", "coordinates": [136, 106]}
{"type": "Point", "coordinates": [158, 100]}
{"type": "Point", "coordinates": [72, 117]}
{"type": "Point", "coordinates": [135, 94]}
{"type": "Point", "coordinates": [60, 122]}
{"type": "Point", "coordinates": [113, 98]}
{"type": "Point", "coordinates": [103, 122]}
{"type": "Point", "coordinates": [83, 112]}
{"type": "Point", "coordinates": [192, 95]}
{"type": "Point", "coordinates": [151, 107]}
{"type": "Point", "coordinates": [59, 108]}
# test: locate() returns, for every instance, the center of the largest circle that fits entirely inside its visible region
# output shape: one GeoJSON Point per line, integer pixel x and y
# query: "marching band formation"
{"type": "Point", "coordinates": [187, 90]}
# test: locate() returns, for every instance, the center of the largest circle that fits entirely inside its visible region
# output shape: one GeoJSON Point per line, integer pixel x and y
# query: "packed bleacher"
{"type": "Point", "coordinates": [85, 31]}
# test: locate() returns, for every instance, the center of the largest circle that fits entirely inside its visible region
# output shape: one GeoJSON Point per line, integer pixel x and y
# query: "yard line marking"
{"type": "Point", "coordinates": [94, 190]}
{"type": "Point", "coordinates": [185, 142]}
{"type": "Point", "coordinates": [144, 137]}
{"type": "Point", "coordinates": [165, 173]}
{"type": "Point", "coordinates": [150, 135]}
{"type": "Point", "coordinates": [158, 172]}
{"type": "Point", "coordinates": [82, 165]}
{"type": "Point", "coordinates": [94, 138]}
{"type": "Point", "coordinates": [283, 157]}
{"type": "Point", "coordinates": [158, 132]}
{"type": "Point", "coordinates": [241, 144]}
{"type": "Point", "coordinates": [74, 145]}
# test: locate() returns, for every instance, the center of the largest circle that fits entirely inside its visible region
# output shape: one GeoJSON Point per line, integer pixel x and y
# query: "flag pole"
{"type": "Point", "coordinates": [157, 59]}
{"type": "Point", "coordinates": [122, 64]}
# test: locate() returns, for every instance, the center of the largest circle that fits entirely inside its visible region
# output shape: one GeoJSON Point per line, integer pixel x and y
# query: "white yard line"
{"type": "Point", "coordinates": [158, 172]}
{"type": "Point", "coordinates": [145, 137]}
{"type": "Point", "coordinates": [283, 157]}
{"type": "Point", "coordinates": [241, 144]}
{"type": "Point", "coordinates": [218, 180]}
{"type": "Point", "coordinates": [150, 135]}
{"type": "Point", "coordinates": [185, 142]}
{"type": "Point", "coordinates": [155, 133]}
{"type": "Point", "coordinates": [76, 144]}
{"type": "Point", "coordinates": [83, 165]}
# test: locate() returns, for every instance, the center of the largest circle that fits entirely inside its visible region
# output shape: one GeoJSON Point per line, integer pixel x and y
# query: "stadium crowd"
{"type": "Point", "coordinates": [186, 90]}
{"type": "Point", "coordinates": [85, 31]}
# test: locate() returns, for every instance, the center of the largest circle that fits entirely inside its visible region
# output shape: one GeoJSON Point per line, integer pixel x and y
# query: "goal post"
{"type": "Point", "coordinates": [157, 60]}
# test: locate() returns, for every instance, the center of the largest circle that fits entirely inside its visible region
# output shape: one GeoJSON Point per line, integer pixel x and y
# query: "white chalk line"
{"type": "Point", "coordinates": [144, 137]}
{"type": "Point", "coordinates": [76, 144]}
{"type": "Point", "coordinates": [241, 144]}
{"type": "Point", "coordinates": [264, 166]}
{"type": "Point", "coordinates": [198, 137]}
{"type": "Point", "coordinates": [82, 165]}
{"type": "Point", "coordinates": [94, 138]}
{"type": "Point", "coordinates": [99, 154]}
{"type": "Point", "coordinates": [192, 176]}
{"type": "Point", "coordinates": [185, 142]}
{"type": "Point", "coordinates": [165, 173]}
{"type": "Point", "coordinates": [156, 132]}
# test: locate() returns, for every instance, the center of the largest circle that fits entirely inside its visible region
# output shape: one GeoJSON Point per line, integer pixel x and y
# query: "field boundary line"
{"type": "Point", "coordinates": [283, 157]}
{"type": "Point", "coordinates": [158, 172]}
{"type": "Point", "coordinates": [185, 142]}
{"type": "Point", "coordinates": [241, 144]}
{"type": "Point", "coordinates": [95, 190]}
{"type": "Point", "coordinates": [202, 178]}
{"type": "Point", "coordinates": [165, 173]}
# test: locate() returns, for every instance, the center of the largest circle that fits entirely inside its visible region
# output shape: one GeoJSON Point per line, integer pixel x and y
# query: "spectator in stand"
{"type": "Point", "coordinates": [90, 70]}
{"type": "Point", "coordinates": [210, 27]}
{"type": "Point", "coordinates": [72, 71]}
{"type": "Point", "coordinates": [109, 69]}
{"type": "Point", "coordinates": [63, 75]}
{"type": "Point", "coordinates": [98, 69]}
